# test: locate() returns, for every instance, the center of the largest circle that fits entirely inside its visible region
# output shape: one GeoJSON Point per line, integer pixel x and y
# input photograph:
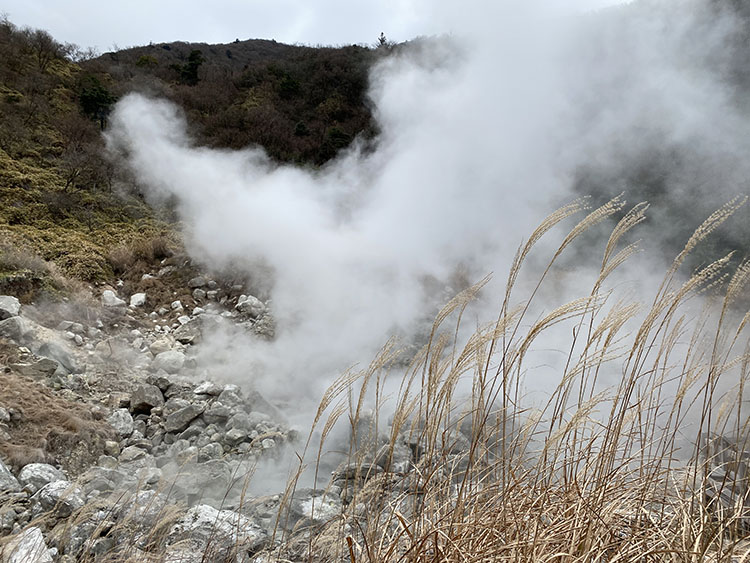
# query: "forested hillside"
{"type": "Point", "coordinates": [65, 205]}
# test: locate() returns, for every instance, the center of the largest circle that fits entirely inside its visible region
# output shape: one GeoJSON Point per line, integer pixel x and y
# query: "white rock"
{"type": "Point", "coordinates": [160, 345]}
{"type": "Point", "coordinates": [170, 361]}
{"type": "Point", "coordinates": [27, 547]}
{"type": "Point", "coordinates": [110, 299]}
{"type": "Point", "coordinates": [34, 476]}
{"type": "Point", "coordinates": [9, 306]}
{"type": "Point", "coordinates": [176, 305]}
{"type": "Point", "coordinates": [7, 481]}
{"type": "Point", "coordinates": [222, 528]}
{"type": "Point", "coordinates": [122, 422]}
{"type": "Point", "coordinates": [250, 305]}
{"type": "Point", "coordinates": [61, 496]}
{"type": "Point", "coordinates": [138, 300]}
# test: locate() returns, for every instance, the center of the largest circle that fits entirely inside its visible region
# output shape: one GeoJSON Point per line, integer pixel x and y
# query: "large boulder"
{"type": "Point", "coordinates": [34, 476]}
{"type": "Point", "coordinates": [19, 330]}
{"type": "Point", "coordinates": [60, 354]}
{"type": "Point", "coordinates": [9, 307]}
{"type": "Point", "coordinates": [37, 370]}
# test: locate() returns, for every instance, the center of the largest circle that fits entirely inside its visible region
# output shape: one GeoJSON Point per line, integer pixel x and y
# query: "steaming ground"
{"type": "Point", "coordinates": [484, 133]}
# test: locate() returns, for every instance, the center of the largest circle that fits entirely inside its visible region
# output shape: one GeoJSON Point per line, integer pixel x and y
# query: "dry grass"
{"type": "Point", "coordinates": [634, 472]}
{"type": "Point", "coordinates": [49, 428]}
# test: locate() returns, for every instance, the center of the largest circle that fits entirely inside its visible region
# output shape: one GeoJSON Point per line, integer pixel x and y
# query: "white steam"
{"type": "Point", "coordinates": [483, 134]}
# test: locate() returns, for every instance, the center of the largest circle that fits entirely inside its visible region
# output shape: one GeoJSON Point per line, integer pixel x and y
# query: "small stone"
{"type": "Point", "coordinates": [131, 453]}
{"type": "Point", "coordinates": [111, 448]}
{"type": "Point", "coordinates": [268, 443]}
{"type": "Point", "coordinates": [78, 339]}
{"type": "Point", "coordinates": [138, 300]}
{"type": "Point", "coordinates": [210, 451]}
{"type": "Point", "coordinates": [208, 388]}
{"type": "Point", "coordinates": [107, 462]}
{"type": "Point", "coordinates": [176, 305]}
{"type": "Point", "coordinates": [183, 319]}
{"type": "Point", "coordinates": [199, 294]}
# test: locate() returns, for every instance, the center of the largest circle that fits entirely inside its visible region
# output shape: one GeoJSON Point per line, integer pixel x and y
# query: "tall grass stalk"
{"type": "Point", "coordinates": [650, 469]}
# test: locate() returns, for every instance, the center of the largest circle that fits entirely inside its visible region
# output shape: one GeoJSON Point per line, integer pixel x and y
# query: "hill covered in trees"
{"type": "Point", "coordinates": [64, 204]}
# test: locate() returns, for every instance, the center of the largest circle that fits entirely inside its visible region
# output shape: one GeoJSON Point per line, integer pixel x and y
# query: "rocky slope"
{"type": "Point", "coordinates": [115, 445]}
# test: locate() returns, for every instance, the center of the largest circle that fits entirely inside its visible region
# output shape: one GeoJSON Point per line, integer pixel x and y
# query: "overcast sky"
{"type": "Point", "coordinates": [94, 23]}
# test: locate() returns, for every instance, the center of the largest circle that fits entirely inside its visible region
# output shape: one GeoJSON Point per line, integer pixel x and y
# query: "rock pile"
{"type": "Point", "coordinates": [168, 477]}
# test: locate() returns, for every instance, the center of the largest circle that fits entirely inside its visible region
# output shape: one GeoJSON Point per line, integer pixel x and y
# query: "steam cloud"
{"type": "Point", "coordinates": [484, 133]}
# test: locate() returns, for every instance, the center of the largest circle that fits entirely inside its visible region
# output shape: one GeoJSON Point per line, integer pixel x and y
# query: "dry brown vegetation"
{"type": "Point", "coordinates": [48, 428]}
{"type": "Point", "coordinates": [631, 473]}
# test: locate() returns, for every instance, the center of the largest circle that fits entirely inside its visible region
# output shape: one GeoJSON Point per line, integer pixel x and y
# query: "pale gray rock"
{"type": "Point", "coordinates": [19, 330]}
{"type": "Point", "coordinates": [176, 305]}
{"type": "Point", "coordinates": [138, 300]}
{"type": "Point", "coordinates": [110, 299]}
{"type": "Point", "coordinates": [250, 305]}
{"type": "Point", "coordinates": [9, 307]}
{"type": "Point", "coordinates": [213, 450]}
{"type": "Point", "coordinates": [37, 370]}
{"type": "Point", "coordinates": [314, 507]}
{"type": "Point", "coordinates": [8, 483]}
{"type": "Point", "coordinates": [145, 397]}
{"type": "Point", "coordinates": [181, 418]}
{"type": "Point", "coordinates": [170, 361]}
{"type": "Point", "coordinates": [198, 281]}
{"type": "Point", "coordinates": [122, 422]}
{"type": "Point", "coordinates": [27, 547]}
{"type": "Point", "coordinates": [216, 533]}
{"type": "Point", "coordinates": [217, 413]}
{"type": "Point", "coordinates": [61, 496]}
{"type": "Point", "coordinates": [188, 333]}
{"type": "Point", "coordinates": [34, 476]}
{"type": "Point", "coordinates": [60, 354]}
{"type": "Point", "coordinates": [235, 436]}
{"type": "Point", "coordinates": [163, 344]}
{"type": "Point", "coordinates": [208, 388]}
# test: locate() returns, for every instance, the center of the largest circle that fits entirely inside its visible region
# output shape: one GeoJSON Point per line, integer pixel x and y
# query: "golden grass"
{"type": "Point", "coordinates": [591, 473]}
